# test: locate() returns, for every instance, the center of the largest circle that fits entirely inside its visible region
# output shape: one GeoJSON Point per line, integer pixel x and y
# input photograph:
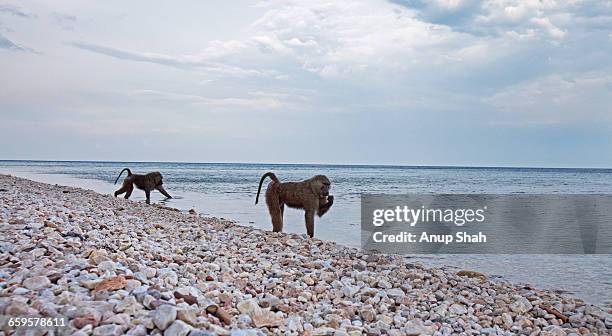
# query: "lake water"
{"type": "Point", "coordinates": [228, 190]}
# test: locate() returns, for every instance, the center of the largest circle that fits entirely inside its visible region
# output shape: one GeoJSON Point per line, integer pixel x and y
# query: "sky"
{"type": "Point", "coordinates": [443, 82]}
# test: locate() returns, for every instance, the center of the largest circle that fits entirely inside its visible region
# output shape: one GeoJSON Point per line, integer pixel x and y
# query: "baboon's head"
{"type": "Point", "coordinates": [321, 185]}
{"type": "Point", "coordinates": [156, 178]}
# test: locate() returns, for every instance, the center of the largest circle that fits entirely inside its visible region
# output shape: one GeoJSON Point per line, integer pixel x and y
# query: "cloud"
{"type": "Point", "coordinates": [184, 62]}
{"type": "Point", "coordinates": [217, 49]}
{"type": "Point", "coordinates": [545, 19]}
{"type": "Point", "coordinates": [15, 11]}
{"type": "Point", "coordinates": [370, 39]}
{"type": "Point", "coordinates": [554, 100]}
{"type": "Point", "coordinates": [5, 43]}
{"type": "Point", "coordinates": [552, 30]}
{"type": "Point", "coordinates": [340, 38]}
{"type": "Point", "coordinates": [257, 101]}
{"type": "Point", "coordinates": [8, 44]}
{"type": "Point", "coordinates": [408, 52]}
{"type": "Point", "coordinates": [67, 22]}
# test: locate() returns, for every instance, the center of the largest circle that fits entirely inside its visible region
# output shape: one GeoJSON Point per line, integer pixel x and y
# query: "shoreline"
{"type": "Point", "coordinates": [242, 211]}
{"type": "Point", "coordinates": [129, 267]}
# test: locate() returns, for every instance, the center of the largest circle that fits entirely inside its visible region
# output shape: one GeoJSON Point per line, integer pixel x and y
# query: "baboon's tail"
{"type": "Point", "coordinates": [124, 169]}
{"type": "Point", "coordinates": [270, 175]}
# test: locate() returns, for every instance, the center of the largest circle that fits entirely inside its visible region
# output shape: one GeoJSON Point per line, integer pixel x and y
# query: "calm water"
{"type": "Point", "coordinates": [228, 190]}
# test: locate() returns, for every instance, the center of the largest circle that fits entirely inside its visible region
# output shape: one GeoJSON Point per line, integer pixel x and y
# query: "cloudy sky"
{"type": "Point", "coordinates": [446, 82]}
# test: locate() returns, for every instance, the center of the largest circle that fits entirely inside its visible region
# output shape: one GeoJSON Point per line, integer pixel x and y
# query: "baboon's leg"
{"type": "Point", "coordinates": [163, 191]}
{"type": "Point", "coordinates": [126, 187]}
{"type": "Point", "coordinates": [275, 208]}
{"type": "Point", "coordinates": [325, 207]}
{"type": "Point", "coordinates": [148, 195]}
{"type": "Point", "coordinates": [276, 212]}
{"type": "Point", "coordinates": [277, 220]}
{"type": "Point", "coordinates": [309, 218]}
{"type": "Point", "coordinates": [120, 191]}
{"type": "Point", "coordinates": [129, 191]}
{"type": "Point", "coordinates": [278, 227]}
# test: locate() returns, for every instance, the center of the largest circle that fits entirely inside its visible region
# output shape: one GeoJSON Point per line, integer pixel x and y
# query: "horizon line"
{"type": "Point", "coordinates": [321, 164]}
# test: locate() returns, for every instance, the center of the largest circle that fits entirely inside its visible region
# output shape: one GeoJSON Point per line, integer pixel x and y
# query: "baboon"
{"type": "Point", "coordinates": [311, 195]}
{"type": "Point", "coordinates": [146, 182]}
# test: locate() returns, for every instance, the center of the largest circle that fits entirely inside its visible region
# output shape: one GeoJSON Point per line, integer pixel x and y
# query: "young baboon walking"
{"type": "Point", "coordinates": [147, 182]}
{"type": "Point", "coordinates": [311, 195]}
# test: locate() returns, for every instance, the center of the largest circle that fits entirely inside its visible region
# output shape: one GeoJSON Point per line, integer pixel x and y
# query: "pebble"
{"type": "Point", "coordinates": [178, 328]}
{"type": "Point", "coordinates": [108, 330]}
{"type": "Point", "coordinates": [396, 293]}
{"type": "Point", "coordinates": [507, 320]}
{"type": "Point", "coordinates": [521, 305]}
{"type": "Point", "coordinates": [164, 316]}
{"type": "Point", "coordinates": [106, 266]}
{"type": "Point", "coordinates": [360, 265]}
{"type": "Point", "coordinates": [138, 330]}
{"type": "Point", "coordinates": [416, 327]}
{"type": "Point", "coordinates": [368, 313]}
{"type": "Point", "coordinates": [457, 309]}
{"type": "Point", "coordinates": [36, 283]}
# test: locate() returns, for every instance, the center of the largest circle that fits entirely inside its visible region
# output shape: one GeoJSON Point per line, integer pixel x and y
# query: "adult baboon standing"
{"type": "Point", "coordinates": [311, 195]}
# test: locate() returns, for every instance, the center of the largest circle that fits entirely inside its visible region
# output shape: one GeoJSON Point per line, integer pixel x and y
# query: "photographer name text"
{"type": "Point", "coordinates": [424, 237]}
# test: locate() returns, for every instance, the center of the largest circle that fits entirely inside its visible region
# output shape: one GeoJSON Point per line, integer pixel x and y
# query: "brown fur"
{"type": "Point", "coordinates": [148, 182]}
{"type": "Point", "coordinates": [311, 195]}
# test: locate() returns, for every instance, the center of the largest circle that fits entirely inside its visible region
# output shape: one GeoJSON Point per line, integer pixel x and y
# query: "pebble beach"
{"type": "Point", "coordinates": [110, 266]}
